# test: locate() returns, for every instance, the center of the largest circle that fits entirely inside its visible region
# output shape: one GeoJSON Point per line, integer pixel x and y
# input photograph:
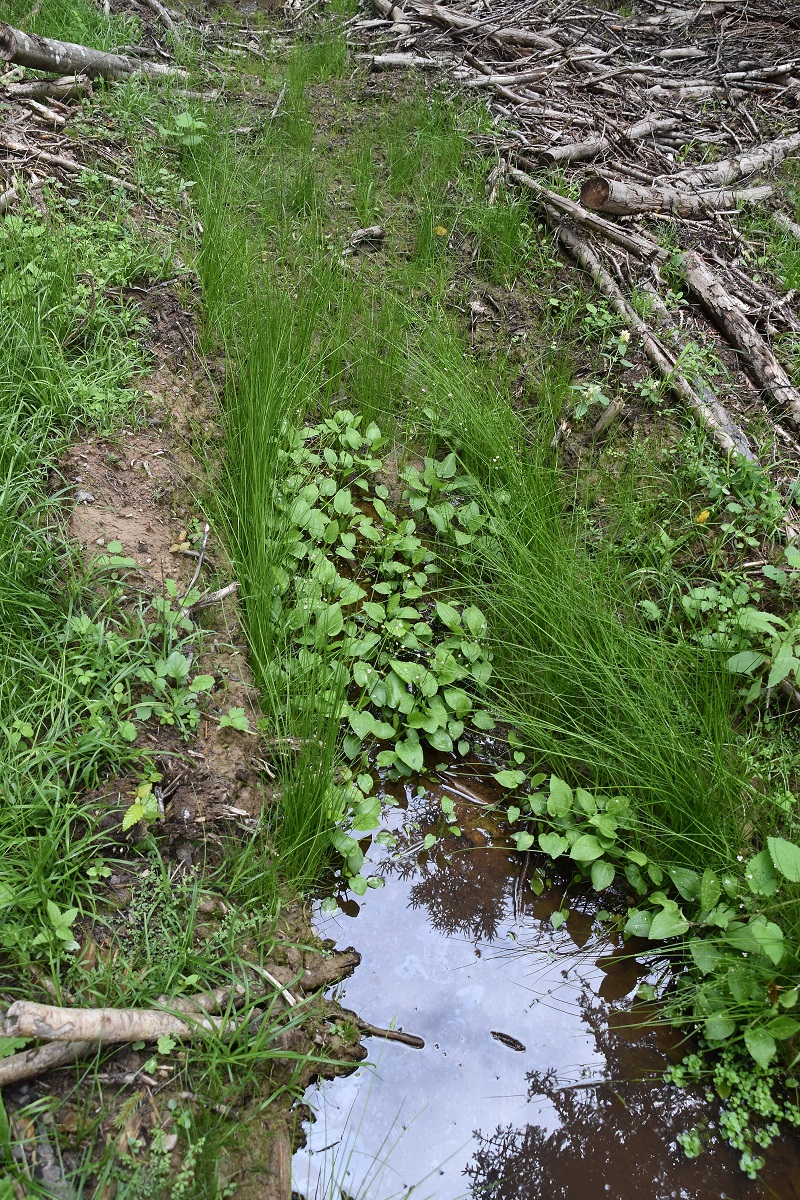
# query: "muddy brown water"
{"type": "Point", "coordinates": [535, 1082]}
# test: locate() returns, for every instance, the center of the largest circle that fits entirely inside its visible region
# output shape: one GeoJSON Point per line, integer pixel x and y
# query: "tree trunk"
{"type": "Point", "coordinates": [68, 58]}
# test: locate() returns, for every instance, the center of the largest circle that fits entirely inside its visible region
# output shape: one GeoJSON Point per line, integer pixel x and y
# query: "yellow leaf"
{"type": "Point", "coordinates": [702, 517]}
{"type": "Point", "coordinates": [440, 231]}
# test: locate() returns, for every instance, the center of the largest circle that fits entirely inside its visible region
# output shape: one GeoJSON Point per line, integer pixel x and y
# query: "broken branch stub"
{"type": "Point", "coordinates": [69, 58]}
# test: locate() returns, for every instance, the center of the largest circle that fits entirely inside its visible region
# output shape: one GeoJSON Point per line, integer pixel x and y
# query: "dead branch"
{"type": "Point", "coordinates": [715, 418]}
{"type": "Point", "coordinates": [771, 154]}
{"type": "Point", "coordinates": [66, 164]}
{"type": "Point", "coordinates": [66, 87]}
{"type": "Point", "coordinates": [7, 198]}
{"type": "Point", "coordinates": [786, 225]}
{"type": "Point", "coordinates": [69, 58]}
{"type": "Point", "coordinates": [27, 1064]}
{"type": "Point", "coordinates": [614, 196]}
{"type": "Point", "coordinates": [401, 62]}
{"type": "Point", "coordinates": [641, 246]}
{"type": "Point", "coordinates": [575, 151]}
{"type": "Point", "coordinates": [758, 357]}
{"type": "Point", "coordinates": [164, 17]}
{"type": "Point", "coordinates": [388, 1035]}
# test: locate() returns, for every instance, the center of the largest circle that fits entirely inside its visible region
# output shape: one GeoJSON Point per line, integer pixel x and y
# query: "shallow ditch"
{"type": "Point", "coordinates": [535, 1079]}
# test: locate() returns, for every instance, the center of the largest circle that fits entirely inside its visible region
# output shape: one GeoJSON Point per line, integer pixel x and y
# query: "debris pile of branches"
{"type": "Point", "coordinates": [670, 116]}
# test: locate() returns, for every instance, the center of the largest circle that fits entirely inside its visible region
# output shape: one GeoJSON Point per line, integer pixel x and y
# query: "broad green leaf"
{"type": "Point", "coordinates": [357, 884]}
{"type": "Point", "coordinates": [705, 954]}
{"type": "Point", "coordinates": [483, 720]}
{"type": "Point", "coordinates": [637, 857]}
{"type": "Point", "coordinates": [710, 890]}
{"type": "Point", "coordinates": [457, 700]}
{"type": "Point", "coordinates": [475, 621]}
{"type": "Point", "coordinates": [761, 1046]}
{"type": "Point", "coordinates": [362, 723]}
{"type": "Point", "coordinates": [553, 844]}
{"type": "Point", "coordinates": [523, 839]}
{"type": "Point", "coordinates": [559, 802]}
{"type": "Point", "coordinates": [343, 843]}
{"type": "Point", "coordinates": [448, 616]}
{"type": "Point", "coordinates": [638, 923]}
{"type": "Point", "coordinates": [745, 662]}
{"type": "Point", "coordinates": [441, 741]}
{"type": "Point", "coordinates": [783, 664]}
{"type": "Point", "coordinates": [481, 672]}
{"type": "Point", "coordinates": [557, 919]}
{"type": "Point", "coordinates": [769, 938]}
{"type": "Point", "coordinates": [410, 753]}
{"type": "Point", "coordinates": [786, 857]}
{"type": "Point", "coordinates": [586, 849]}
{"type": "Point", "coordinates": [783, 1027]}
{"type": "Point", "coordinates": [687, 882]}
{"type": "Point", "coordinates": [428, 841]}
{"type": "Point", "coordinates": [510, 779]}
{"type": "Point", "coordinates": [718, 1028]}
{"type": "Point", "coordinates": [668, 923]}
{"type": "Point", "coordinates": [602, 875]}
{"type": "Point", "coordinates": [512, 814]}
{"type": "Point", "coordinates": [760, 874]}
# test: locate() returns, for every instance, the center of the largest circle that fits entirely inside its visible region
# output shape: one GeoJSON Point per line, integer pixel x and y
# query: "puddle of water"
{"type": "Point", "coordinates": [534, 1083]}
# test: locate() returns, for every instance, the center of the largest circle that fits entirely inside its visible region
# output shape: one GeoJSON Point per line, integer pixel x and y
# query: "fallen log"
{"type": "Point", "coordinates": [400, 62]}
{"type": "Point", "coordinates": [786, 224]}
{"type": "Point", "coordinates": [69, 58]}
{"type": "Point", "coordinates": [758, 357]}
{"type": "Point", "coordinates": [770, 154]}
{"type": "Point", "coordinates": [66, 87]}
{"type": "Point", "coordinates": [459, 22]}
{"type": "Point", "coordinates": [614, 196]}
{"type": "Point", "coordinates": [713, 416]}
{"type": "Point", "coordinates": [28, 1064]}
{"type": "Point", "coordinates": [575, 151]}
{"type": "Point", "coordinates": [7, 198]}
{"type": "Point", "coordinates": [641, 246]}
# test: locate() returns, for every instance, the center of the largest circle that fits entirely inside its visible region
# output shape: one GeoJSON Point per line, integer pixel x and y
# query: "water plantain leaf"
{"type": "Point", "coordinates": [441, 741]}
{"type": "Point", "coordinates": [783, 1027]}
{"type": "Point", "coordinates": [705, 954]}
{"type": "Point", "coordinates": [687, 882]}
{"type": "Point", "coordinates": [410, 752]}
{"type": "Point", "coordinates": [602, 875]}
{"type": "Point", "coordinates": [343, 842]}
{"type": "Point", "coordinates": [362, 724]}
{"type": "Point", "coordinates": [457, 700]}
{"type": "Point", "coordinates": [668, 923]}
{"type": "Point", "coordinates": [510, 779]}
{"type": "Point", "coordinates": [475, 621]}
{"type": "Point", "coordinates": [586, 849]}
{"type": "Point", "coordinates": [718, 1028]}
{"type": "Point", "coordinates": [481, 672]}
{"type": "Point", "coordinates": [523, 839]}
{"type": "Point", "coordinates": [559, 802]}
{"type": "Point", "coordinates": [638, 922]}
{"type": "Point", "coordinates": [760, 874]}
{"type": "Point", "coordinates": [710, 890]}
{"type": "Point", "coordinates": [553, 844]}
{"type": "Point", "coordinates": [483, 720]}
{"type": "Point", "coordinates": [761, 1046]}
{"type": "Point", "coordinates": [786, 857]}
{"type": "Point", "coordinates": [448, 616]}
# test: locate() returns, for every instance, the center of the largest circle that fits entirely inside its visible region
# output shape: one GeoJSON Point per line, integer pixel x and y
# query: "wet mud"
{"type": "Point", "coordinates": [537, 1080]}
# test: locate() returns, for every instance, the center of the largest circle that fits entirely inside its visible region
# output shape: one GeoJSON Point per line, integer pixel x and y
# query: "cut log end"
{"type": "Point", "coordinates": [595, 192]}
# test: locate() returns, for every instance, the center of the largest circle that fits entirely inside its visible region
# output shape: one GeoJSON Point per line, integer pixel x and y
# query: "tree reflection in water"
{"type": "Point", "coordinates": [464, 883]}
{"type": "Point", "coordinates": [615, 1138]}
